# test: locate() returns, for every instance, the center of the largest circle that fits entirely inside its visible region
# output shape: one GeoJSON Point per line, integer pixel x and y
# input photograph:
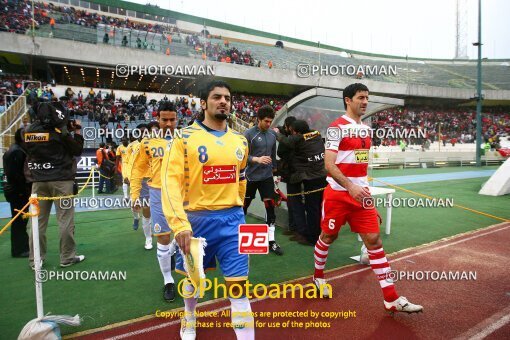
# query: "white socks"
{"type": "Point", "coordinates": [271, 232]}
{"type": "Point", "coordinates": [242, 318]}
{"type": "Point", "coordinates": [125, 190]}
{"type": "Point", "coordinates": [146, 224]}
{"type": "Point", "coordinates": [189, 303]}
{"type": "Point", "coordinates": [165, 262]}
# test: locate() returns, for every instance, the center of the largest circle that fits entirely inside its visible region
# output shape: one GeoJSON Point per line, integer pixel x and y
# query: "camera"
{"type": "Point", "coordinates": [73, 125]}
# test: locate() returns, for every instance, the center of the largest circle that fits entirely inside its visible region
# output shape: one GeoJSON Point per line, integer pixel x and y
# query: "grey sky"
{"type": "Point", "coordinates": [396, 27]}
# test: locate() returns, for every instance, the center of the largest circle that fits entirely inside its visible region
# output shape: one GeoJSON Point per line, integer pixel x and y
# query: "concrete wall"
{"type": "Point", "coordinates": [109, 56]}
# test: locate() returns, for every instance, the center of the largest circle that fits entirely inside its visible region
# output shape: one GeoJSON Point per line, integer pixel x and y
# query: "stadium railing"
{"type": "Point", "coordinates": [10, 121]}
{"type": "Point", "coordinates": [240, 125]}
{"type": "Point", "coordinates": [155, 42]}
{"type": "Point", "coordinates": [431, 162]}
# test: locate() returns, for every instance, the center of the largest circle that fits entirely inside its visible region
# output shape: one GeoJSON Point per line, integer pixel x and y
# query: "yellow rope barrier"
{"type": "Point", "coordinates": [103, 175]}
{"type": "Point", "coordinates": [306, 192]}
{"type": "Point", "coordinates": [429, 197]}
{"type": "Point", "coordinates": [417, 194]}
{"type": "Point", "coordinates": [35, 201]}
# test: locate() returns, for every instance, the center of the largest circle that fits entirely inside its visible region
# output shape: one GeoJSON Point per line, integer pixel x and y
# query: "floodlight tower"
{"type": "Point", "coordinates": [461, 29]}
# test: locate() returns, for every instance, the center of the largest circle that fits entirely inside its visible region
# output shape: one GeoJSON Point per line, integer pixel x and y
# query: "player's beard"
{"type": "Point", "coordinates": [220, 116]}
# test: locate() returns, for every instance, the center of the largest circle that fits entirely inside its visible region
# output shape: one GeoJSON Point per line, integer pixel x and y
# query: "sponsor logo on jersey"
{"type": "Point", "coordinates": [219, 174]}
{"type": "Point", "coordinates": [361, 156]}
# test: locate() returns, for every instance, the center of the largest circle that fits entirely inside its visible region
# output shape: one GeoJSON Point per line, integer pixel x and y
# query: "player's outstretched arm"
{"type": "Point", "coordinates": [173, 186]}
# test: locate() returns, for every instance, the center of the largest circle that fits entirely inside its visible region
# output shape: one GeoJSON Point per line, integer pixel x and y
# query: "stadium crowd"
{"type": "Point", "coordinates": [104, 107]}
{"type": "Point", "coordinates": [9, 86]}
{"type": "Point", "coordinates": [16, 17]}
{"type": "Point", "coordinates": [445, 125]}
{"type": "Point", "coordinates": [437, 124]}
{"type": "Point", "coordinates": [222, 53]}
{"type": "Point", "coordinates": [246, 106]}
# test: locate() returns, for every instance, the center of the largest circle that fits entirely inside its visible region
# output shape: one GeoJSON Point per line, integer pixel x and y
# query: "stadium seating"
{"type": "Point", "coordinates": [90, 28]}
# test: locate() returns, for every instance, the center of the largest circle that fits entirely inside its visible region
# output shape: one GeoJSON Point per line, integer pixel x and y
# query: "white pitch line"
{"type": "Point", "coordinates": [487, 326]}
{"type": "Point", "coordinates": [492, 328]}
{"type": "Point", "coordinates": [149, 329]}
{"type": "Point", "coordinates": [418, 253]}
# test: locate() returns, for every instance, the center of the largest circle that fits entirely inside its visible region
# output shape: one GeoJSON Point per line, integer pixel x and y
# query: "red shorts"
{"type": "Point", "coordinates": [339, 207]}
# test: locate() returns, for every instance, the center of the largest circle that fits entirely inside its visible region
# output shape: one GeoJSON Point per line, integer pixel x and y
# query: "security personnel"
{"type": "Point", "coordinates": [286, 155]}
{"type": "Point", "coordinates": [307, 172]}
{"type": "Point", "coordinates": [17, 192]}
{"type": "Point", "coordinates": [52, 143]}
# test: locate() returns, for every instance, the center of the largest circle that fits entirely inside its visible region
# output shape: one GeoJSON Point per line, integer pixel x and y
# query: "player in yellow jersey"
{"type": "Point", "coordinates": [144, 192]}
{"type": "Point", "coordinates": [203, 189]}
{"type": "Point", "coordinates": [149, 159]}
{"type": "Point", "coordinates": [126, 171]}
{"type": "Point", "coordinates": [122, 159]}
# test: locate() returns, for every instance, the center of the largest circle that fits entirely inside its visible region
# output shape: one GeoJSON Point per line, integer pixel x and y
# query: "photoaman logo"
{"type": "Point", "coordinates": [259, 291]}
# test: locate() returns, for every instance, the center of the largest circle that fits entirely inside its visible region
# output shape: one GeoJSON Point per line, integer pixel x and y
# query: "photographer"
{"type": "Point", "coordinates": [307, 171]}
{"type": "Point", "coordinates": [52, 142]}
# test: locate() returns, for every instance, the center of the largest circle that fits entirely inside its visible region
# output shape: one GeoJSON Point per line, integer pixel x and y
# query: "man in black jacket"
{"type": "Point", "coordinates": [52, 143]}
{"type": "Point", "coordinates": [307, 171]}
{"type": "Point", "coordinates": [17, 192]}
{"type": "Point", "coordinates": [286, 154]}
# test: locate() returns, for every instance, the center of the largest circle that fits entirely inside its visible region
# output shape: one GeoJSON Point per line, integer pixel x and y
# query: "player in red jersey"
{"type": "Point", "coordinates": [347, 197]}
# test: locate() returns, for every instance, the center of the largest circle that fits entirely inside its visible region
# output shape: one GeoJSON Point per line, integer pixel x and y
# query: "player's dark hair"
{"type": "Point", "coordinates": [153, 124]}
{"type": "Point", "coordinates": [351, 90]}
{"type": "Point", "coordinates": [265, 111]}
{"type": "Point", "coordinates": [289, 120]}
{"type": "Point", "coordinates": [166, 106]}
{"type": "Point", "coordinates": [207, 89]}
{"type": "Point", "coordinates": [102, 145]}
{"type": "Point", "coordinates": [300, 126]}
{"type": "Point", "coordinates": [141, 126]}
